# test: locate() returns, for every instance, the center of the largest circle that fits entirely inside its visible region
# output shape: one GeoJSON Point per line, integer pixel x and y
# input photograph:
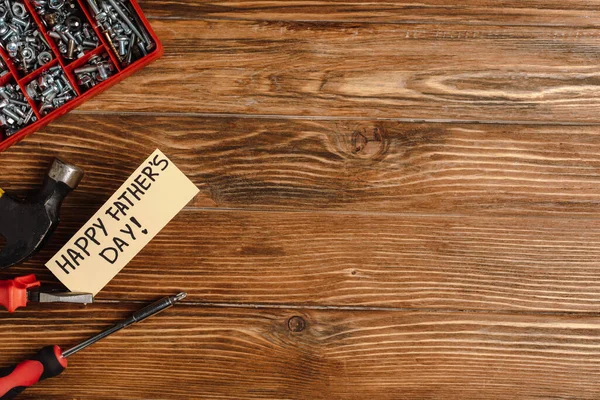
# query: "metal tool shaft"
{"type": "Point", "coordinates": [60, 297]}
{"type": "Point", "coordinates": [138, 316]}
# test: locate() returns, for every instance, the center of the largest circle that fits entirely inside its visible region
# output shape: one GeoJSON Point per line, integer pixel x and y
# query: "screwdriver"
{"type": "Point", "coordinates": [51, 361]}
{"type": "Point", "coordinates": [17, 292]}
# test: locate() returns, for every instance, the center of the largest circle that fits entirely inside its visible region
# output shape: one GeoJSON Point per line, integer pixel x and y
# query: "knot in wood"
{"type": "Point", "coordinates": [367, 142]}
{"type": "Point", "coordinates": [296, 324]}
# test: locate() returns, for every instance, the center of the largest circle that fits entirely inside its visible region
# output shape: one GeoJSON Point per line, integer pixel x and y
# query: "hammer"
{"type": "Point", "coordinates": [26, 225]}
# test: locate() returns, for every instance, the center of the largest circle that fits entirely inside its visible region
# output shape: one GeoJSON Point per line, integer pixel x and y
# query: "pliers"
{"type": "Point", "coordinates": [15, 293]}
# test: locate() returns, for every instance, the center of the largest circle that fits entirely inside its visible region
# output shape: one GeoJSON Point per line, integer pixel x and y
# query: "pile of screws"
{"type": "Point", "coordinates": [122, 29]}
{"type": "Point", "coordinates": [20, 38]}
{"type": "Point", "coordinates": [15, 111]}
{"type": "Point", "coordinates": [97, 70]}
{"type": "Point", "coordinates": [52, 89]}
{"type": "Point", "coordinates": [64, 20]}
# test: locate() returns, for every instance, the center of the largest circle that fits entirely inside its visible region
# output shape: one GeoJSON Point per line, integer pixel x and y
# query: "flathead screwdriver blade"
{"type": "Point", "coordinates": [137, 316]}
{"type": "Point", "coordinates": [60, 297]}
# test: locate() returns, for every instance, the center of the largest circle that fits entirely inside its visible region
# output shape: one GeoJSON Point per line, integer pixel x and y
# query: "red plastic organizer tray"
{"type": "Point", "coordinates": [121, 72]}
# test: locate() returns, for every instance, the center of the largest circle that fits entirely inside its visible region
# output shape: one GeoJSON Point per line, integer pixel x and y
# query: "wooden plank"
{"type": "Point", "coordinates": [361, 260]}
{"type": "Point", "coordinates": [192, 352]}
{"type": "Point", "coordinates": [382, 166]}
{"type": "Point", "coordinates": [396, 242]}
{"type": "Point", "coordinates": [421, 71]}
{"type": "Point", "coordinates": [505, 12]}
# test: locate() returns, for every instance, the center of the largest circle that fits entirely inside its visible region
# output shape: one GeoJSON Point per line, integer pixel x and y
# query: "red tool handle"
{"type": "Point", "coordinates": [13, 293]}
{"type": "Point", "coordinates": [47, 363]}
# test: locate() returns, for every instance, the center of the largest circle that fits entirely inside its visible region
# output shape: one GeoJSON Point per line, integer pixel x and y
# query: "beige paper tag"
{"type": "Point", "coordinates": [146, 202]}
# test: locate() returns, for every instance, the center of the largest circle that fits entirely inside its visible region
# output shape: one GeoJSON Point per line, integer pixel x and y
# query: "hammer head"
{"type": "Point", "coordinates": [26, 225]}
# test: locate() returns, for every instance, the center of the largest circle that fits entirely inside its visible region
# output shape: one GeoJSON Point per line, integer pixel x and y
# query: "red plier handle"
{"type": "Point", "coordinates": [13, 292]}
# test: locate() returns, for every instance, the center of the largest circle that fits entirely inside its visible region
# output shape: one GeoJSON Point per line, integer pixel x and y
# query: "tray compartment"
{"type": "Point", "coordinates": [67, 26]}
{"type": "Point", "coordinates": [121, 68]}
{"type": "Point", "coordinates": [96, 69]}
{"type": "Point", "coordinates": [123, 31]}
{"type": "Point", "coordinates": [21, 39]}
{"type": "Point", "coordinates": [50, 90]}
{"type": "Point", "coordinates": [16, 112]}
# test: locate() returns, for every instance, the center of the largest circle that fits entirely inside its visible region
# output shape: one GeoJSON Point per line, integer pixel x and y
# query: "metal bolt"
{"type": "Point", "coordinates": [65, 27]}
{"type": "Point", "coordinates": [97, 69]}
{"type": "Point", "coordinates": [19, 112]}
{"type": "Point", "coordinates": [70, 49]}
{"type": "Point", "coordinates": [21, 22]}
{"type": "Point", "coordinates": [123, 41]}
{"type": "Point", "coordinates": [102, 72]}
{"type": "Point", "coordinates": [19, 103]}
{"type": "Point", "coordinates": [94, 6]}
{"type": "Point", "coordinates": [20, 38]}
{"type": "Point", "coordinates": [29, 116]}
{"type": "Point", "coordinates": [12, 114]}
{"type": "Point", "coordinates": [7, 34]}
{"type": "Point", "coordinates": [51, 89]}
{"type": "Point", "coordinates": [86, 69]}
{"type": "Point", "coordinates": [124, 33]}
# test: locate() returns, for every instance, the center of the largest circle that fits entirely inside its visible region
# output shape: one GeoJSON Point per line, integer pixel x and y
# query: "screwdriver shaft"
{"type": "Point", "coordinates": [138, 316]}
{"type": "Point", "coordinates": [51, 361]}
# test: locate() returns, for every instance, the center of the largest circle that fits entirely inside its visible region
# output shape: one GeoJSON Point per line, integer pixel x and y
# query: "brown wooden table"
{"type": "Point", "coordinates": [398, 200]}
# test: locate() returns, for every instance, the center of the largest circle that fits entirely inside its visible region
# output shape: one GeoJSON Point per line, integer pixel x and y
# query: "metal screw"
{"type": "Point", "coordinates": [63, 18]}
{"type": "Point", "coordinates": [20, 37]}
{"type": "Point", "coordinates": [51, 89]}
{"type": "Point", "coordinates": [16, 111]}
{"type": "Point", "coordinates": [98, 69]}
{"type": "Point", "coordinates": [125, 34]}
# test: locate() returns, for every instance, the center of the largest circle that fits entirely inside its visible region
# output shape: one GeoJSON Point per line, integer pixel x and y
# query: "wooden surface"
{"type": "Point", "coordinates": [398, 200]}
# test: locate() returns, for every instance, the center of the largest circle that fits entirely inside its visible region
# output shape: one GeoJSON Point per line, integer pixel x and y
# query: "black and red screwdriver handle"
{"type": "Point", "coordinates": [47, 363]}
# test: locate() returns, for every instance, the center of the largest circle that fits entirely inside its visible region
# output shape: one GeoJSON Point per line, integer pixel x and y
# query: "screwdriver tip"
{"type": "Point", "coordinates": [180, 296]}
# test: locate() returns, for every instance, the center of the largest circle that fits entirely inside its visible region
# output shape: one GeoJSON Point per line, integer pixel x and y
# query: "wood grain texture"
{"type": "Point", "coordinates": [416, 72]}
{"type": "Point", "coordinates": [362, 260]}
{"type": "Point", "coordinates": [366, 165]}
{"type": "Point", "coordinates": [578, 13]}
{"type": "Point", "coordinates": [428, 257]}
{"type": "Point", "coordinates": [205, 353]}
